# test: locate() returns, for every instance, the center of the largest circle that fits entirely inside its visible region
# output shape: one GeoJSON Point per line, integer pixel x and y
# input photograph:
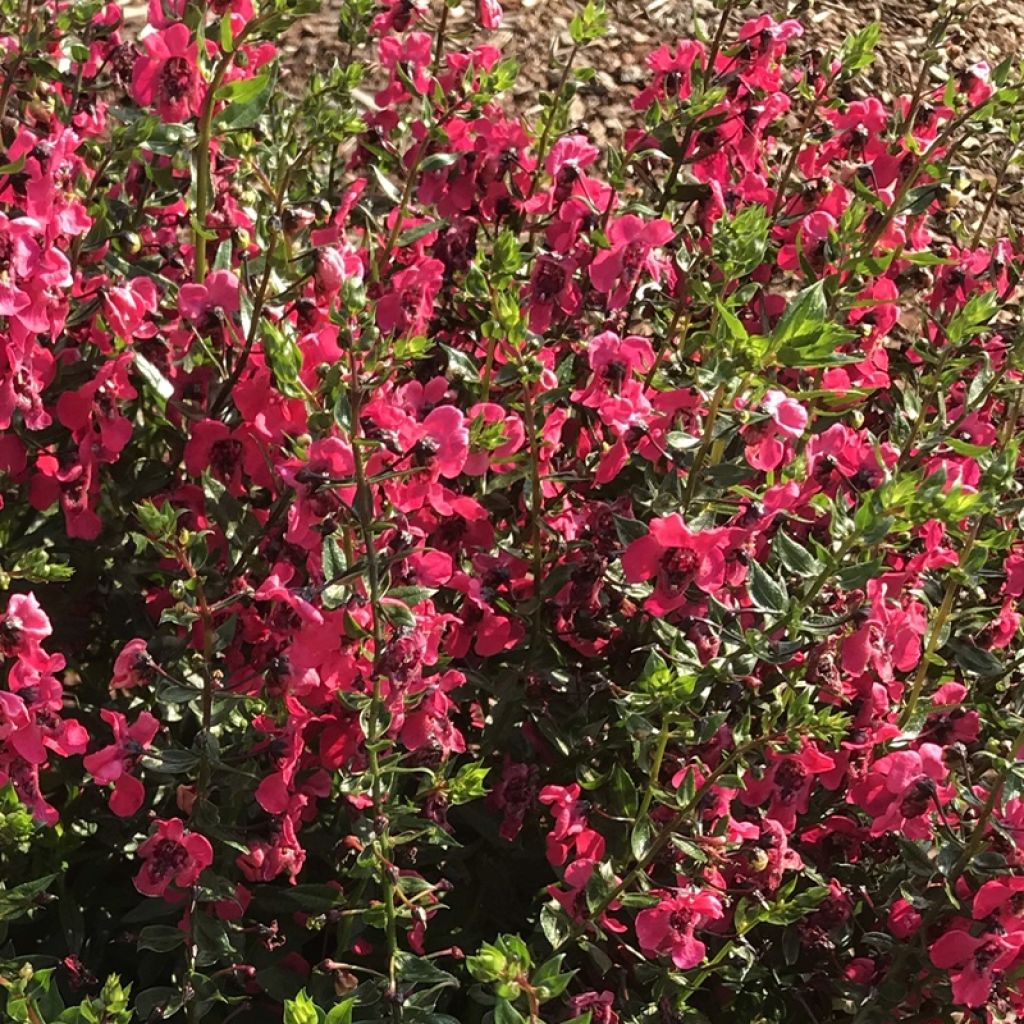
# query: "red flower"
{"type": "Point", "coordinates": [116, 762]}
{"type": "Point", "coordinates": [209, 303]}
{"type": "Point", "coordinates": [172, 856]}
{"type": "Point", "coordinates": [677, 558]}
{"type": "Point", "coordinates": [600, 1006]}
{"type": "Point", "coordinates": [974, 960]}
{"type": "Point", "coordinates": [901, 790]}
{"type": "Point", "coordinates": [22, 626]}
{"type": "Point", "coordinates": [1003, 900]}
{"type": "Point", "coordinates": [489, 13]}
{"type": "Point", "coordinates": [669, 927]}
{"type": "Point", "coordinates": [126, 307]}
{"type": "Point", "coordinates": [788, 783]}
{"type": "Point", "coordinates": [413, 55]}
{"type": "Point", "coordinates": [904, 920]}
{"type": "Point", "coordinates": [615, 271]}
{"type": "Point", "coordinates": [333, 266]}
{"type": "Point", "coordinates": [167, 75]}
{"type": "Point", "coordinates": [408, 306]}
{"type": "Point", "coordinates": [133, 666]}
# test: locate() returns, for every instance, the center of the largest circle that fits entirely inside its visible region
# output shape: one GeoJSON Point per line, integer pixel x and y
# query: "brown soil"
{"type": "Point", "coordinates": [535, 32]}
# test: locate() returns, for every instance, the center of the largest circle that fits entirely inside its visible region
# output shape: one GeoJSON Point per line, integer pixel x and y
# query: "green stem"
{"type": "Point", "coordinates": [993, 195]}
{"type": "Point", "coordinates": [656, 763]}
{"type": "Point", "coordinates": [798, 145]}
{"type": "Point", "coordinates": [203, 156]}
{"type": "Point", "coordinates": [977, 836]}
{"type": "Point", "coordinates": [716, 43]}
{"type": "Point", "coordinates": [698, 463]}
{"type": "Point", "coordinates": [364, 515]}
{"type": "Point", "coordinates": [536, 498]}
{"type": "Point", "coordinates": [549, 121]}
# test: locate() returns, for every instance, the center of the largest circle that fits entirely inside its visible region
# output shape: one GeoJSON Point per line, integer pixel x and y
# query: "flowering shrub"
{"type": "Point", "coordinates": [454, 572]}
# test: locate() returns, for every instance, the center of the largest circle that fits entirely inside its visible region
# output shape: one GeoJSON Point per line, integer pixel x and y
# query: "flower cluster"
{"type": "Point", "coordinates": [459, 572]}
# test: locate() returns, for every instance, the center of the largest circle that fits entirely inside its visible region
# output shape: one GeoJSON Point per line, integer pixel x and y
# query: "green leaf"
{"type": "Point", "coordinates": [301, 1010]}
{"type": "Point", "coordinates": [387, 186]}
{"type": "Point", "coordinates": [332, 559]}
{"type": "Point", "coordinates": [244, 90]}
{"type": "Point", "coordinates": [414, 234]}
{"type": "Point", "coordinates": [153, 377]}
{"type": "Point", "coordinates": [805, 336]}
{"type": "Point", "coordinates": [506, 1013]}
{"type": "Point", "coordinates": [554, 925]}
{"type": "Point", "coordinates": [590, 24]}
{"type": "Point", "coordinates": [976, 660]}
{"type": "Point", "coordinates": [19, 900]}
{"type": "Point", "coordinates": [467, 784]}
{"type": "Point", "coordinates": [246, 100]}
{"type": "Point", "coordinates": [342, 1013]}
{"type": "Point", "coordinates": [420, 970]}
{"type": "Point", "coordinates": [285, 360]}
{"type": "Point", "coordinates": [766, 592]}
{"type": "Point", "coordinates": [161, 938]}
{"type": "Point", "coordinates": [171, 762]}
{"type": "Point", "coordinates": [794, 556]}
{"type": "Point", "coordinates": [640, 838]}
{"type": "Point", "coordinates": [158, 1003]}
{"type": "Point", "coordinates": [461, 366]}
{"type": "Point", "coordinates": [436, 161]}
{"type": "Point", "coordinates": [858, 50]}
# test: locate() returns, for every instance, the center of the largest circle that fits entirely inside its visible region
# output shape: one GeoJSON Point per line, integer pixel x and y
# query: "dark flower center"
{"type": "Point", "coordinates": [168, 858]}
{"type": "Point", "coordinates": [175, 78]}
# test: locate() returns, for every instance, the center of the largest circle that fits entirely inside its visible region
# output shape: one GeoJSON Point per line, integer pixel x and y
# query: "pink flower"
{"type": "Point", "coordinates": [207, 304]}
{"type": "Point", "coordinates": [23, 625]}
{"type": "Point", "coordinates": [333, 266]}
{"type": "Point", "coordinates": [613, 361]}
{"type": "Point", "coordinates": [167, 76]}
{"type": "Point", "coordinates": [269, 858]}
{"type": "Point", "coordinates": [788, 782]}
{"type": "Point", "coordinates": [974, 960]}
{"type": "Point", "coordinates": [669, 927]}
{"type": "Point", "coordinates": [413, 55]}
{"type": "Point", "coordinates": [1003, 900]}
{"type": "Point", "coordinates": [133, 666]}
{"type": "Point", "coordinates": [673, 72]}
{"type": "Point", "coordinates": [615, 271]}
{"type": "Point", "coordinates": [116, 762]}
{"type": "Point", "coordinates": [409, 304]}
{"type": "Point", "coordinates": [398, 15]}
{"type": "Point", "coordinates": [172, 856]}
{"type": "Point", "coordinates": [489, 13]}
{"type": "Point", "coordinates": [444, 441]}
{"type": "Point", "coordinates": [126, 307]}
{"type": "Point", "coordinates": [675, 557]}
{"type": "Point", "coordinates": [904, 920]}
{"type": "Point", "coordinates": [570, 820]}
{"type": "Point", "coordinates": [788, 415]}
{"type": "Point", "coordinates": [901, 790]}
{"type": "Point", "coordinates": [552, 288]}
{"type": "Point", "coordinates": [600, 1006]}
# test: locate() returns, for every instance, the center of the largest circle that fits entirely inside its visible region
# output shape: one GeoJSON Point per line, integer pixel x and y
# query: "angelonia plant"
{"type": "Point", "coordinates": [458, 573]}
